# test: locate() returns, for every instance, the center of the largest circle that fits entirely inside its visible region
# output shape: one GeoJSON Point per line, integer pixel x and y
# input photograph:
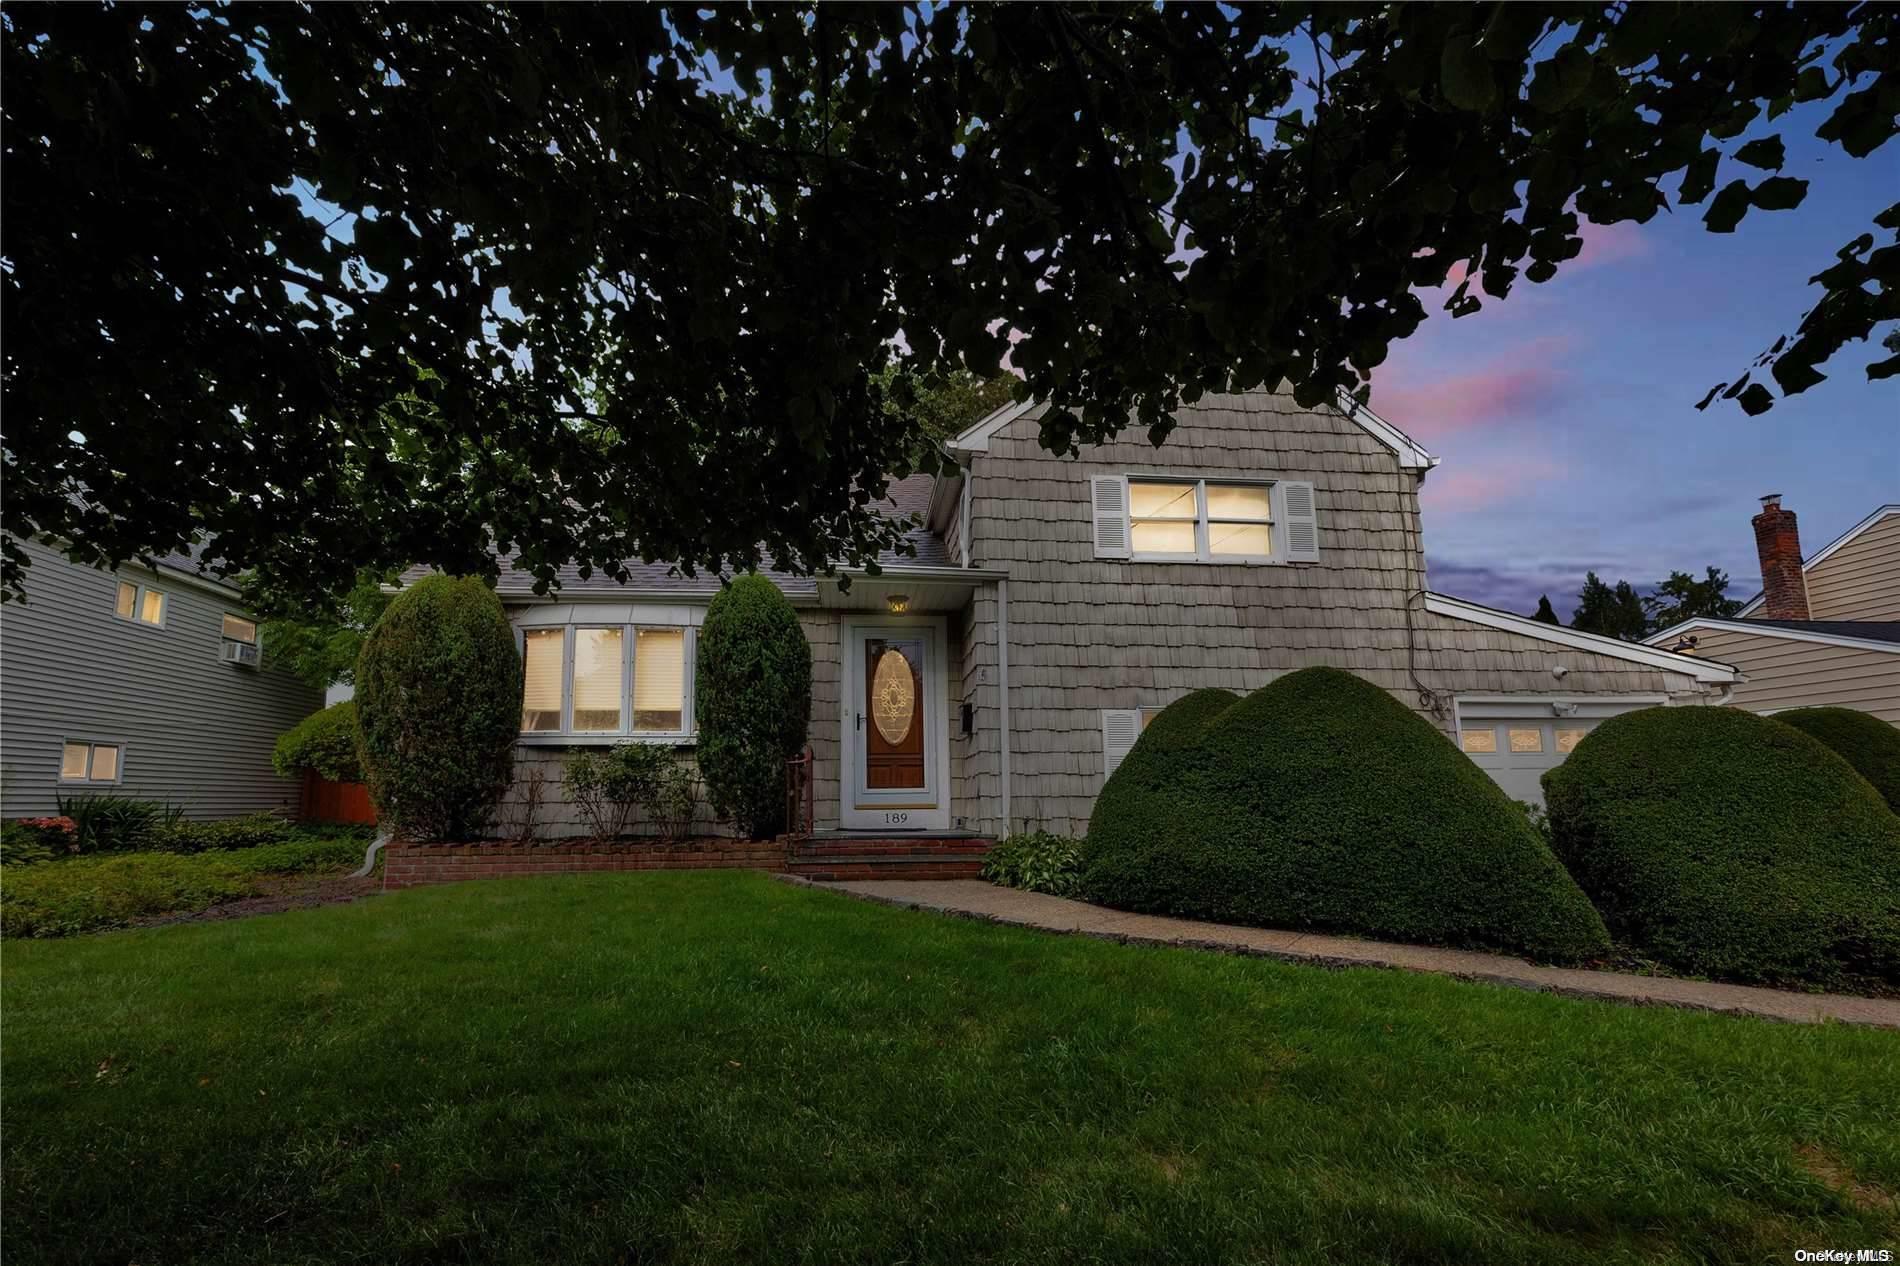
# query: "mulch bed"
{"type": "Point", "coordinates": [280, 893]}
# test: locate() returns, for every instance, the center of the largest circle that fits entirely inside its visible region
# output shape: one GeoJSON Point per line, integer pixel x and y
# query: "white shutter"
{"type": "Point", "coordinates": [1109, 497]}
{"type": "Point", "coordinates": [1120, 728]}
{"type": "Point", "coordinates": [1299, 521]}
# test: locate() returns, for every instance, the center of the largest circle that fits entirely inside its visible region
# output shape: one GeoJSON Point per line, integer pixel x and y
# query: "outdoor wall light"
{"type": "Point", "coordinates": [898, 603]}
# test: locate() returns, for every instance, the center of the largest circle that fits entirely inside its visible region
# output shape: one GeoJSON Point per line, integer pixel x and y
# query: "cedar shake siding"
{"type": "Point", "coordinates": [1861, 579]}
{"type": "Point", "coordinates": [195, 732]}
{"type": "Point", "coordinates": [1088, 634]}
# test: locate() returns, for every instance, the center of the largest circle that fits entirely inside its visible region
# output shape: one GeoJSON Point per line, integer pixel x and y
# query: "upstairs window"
{"type": "Point", "coordinates": [239, 629]}
{"type": "Point", "coordinates": [140, 603]}
{"type": "Point", "coordinates": [1162, 519]}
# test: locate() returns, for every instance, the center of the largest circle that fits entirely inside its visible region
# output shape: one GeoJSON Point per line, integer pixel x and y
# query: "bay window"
{"type": "Point", "coordinates": [591, 681]}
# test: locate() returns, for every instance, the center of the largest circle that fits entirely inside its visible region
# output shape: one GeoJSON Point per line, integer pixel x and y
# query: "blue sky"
{"type": "Point", "coordinates": [1565, 414]}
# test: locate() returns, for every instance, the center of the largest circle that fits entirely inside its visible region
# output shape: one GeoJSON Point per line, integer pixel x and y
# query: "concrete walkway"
{"type": "Point", "coordinates": [976, 899]}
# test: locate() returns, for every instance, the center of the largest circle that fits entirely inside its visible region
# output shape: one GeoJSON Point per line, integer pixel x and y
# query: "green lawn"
{"type": "Point", "coordinates": [715, 1067]}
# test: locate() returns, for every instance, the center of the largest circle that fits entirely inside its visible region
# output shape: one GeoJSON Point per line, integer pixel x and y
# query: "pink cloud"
{"type": "Point", "coordinates": [1513, 389]}
{"type": "Point", "coordinates": [1489, 483]}
{"type": "Point", "coordinates": [1608, 244]}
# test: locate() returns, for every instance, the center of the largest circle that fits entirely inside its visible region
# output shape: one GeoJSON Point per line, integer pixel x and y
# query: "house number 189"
{"type": "Point", "coordinates": [896, 819]}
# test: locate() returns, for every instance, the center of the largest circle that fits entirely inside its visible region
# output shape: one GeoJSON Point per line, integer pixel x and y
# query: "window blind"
{"type": "Point", "coordinates": [659, 679]}
{"type": "Point", "coordinates": [599, 661]}
{"type": "Point", "coordinates": [541, 694]}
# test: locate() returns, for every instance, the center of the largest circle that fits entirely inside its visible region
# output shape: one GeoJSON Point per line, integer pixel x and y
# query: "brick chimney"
{"type": "Point", "coordinates": [1784, 588]}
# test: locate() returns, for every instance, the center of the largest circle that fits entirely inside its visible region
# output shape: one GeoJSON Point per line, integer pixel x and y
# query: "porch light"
{"type": "Point", "coordinates": [898, 603]}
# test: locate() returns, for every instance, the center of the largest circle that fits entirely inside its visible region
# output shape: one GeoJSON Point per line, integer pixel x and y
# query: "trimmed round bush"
{"type": "Point", "coordinates": [752, 699]}
{"type": "Point", "coordinates": [1863, 740]}
{"type": "Point", "coordinates": [1731, 845]}
{"type": "Point", "coordinates": [438, 707]}
{"type": "Point", "coordinates": [323, 741]}
{"type": "Point", "coordinates": [1322, 802]}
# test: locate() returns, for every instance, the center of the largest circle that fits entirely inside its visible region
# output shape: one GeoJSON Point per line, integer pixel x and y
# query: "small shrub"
{"type": "Point", "coordinates": [1321, 801]}
{"type": "Point", "coordinates": [1731, 845]}
{"type": "Point", "coordinates": [28, 840]}
{"type": "Point", "coordinates": [114, 824]}
{"type": "Point", "coordinates": [1037, 861]}
{"type": "Point", "coordinates": [1870, 745]}
{"type": "Point", "coordinates": [753, 700]}
{"type": "Point", "coordinates": [323, 741]}
{"type": "Point", "coordinates": [186, 836]}
{"type": "Point", "coordinates": [610, 785]}
{"type": "Point", "coordinates": [438, 708]}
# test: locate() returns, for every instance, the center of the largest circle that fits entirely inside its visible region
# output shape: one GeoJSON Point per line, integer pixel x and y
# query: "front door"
{"type": "Point", "coordinates": [893, 740]}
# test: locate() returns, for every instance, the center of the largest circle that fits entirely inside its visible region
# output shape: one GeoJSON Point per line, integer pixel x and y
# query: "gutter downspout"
{"type": "Point", "coordinates": [1002, 691]}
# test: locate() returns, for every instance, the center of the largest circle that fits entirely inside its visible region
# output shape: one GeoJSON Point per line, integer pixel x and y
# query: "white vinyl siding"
{"type": "Point", "coordinates": [601, 681]}
{"type": "Point", "coordinates": [1179, 519]}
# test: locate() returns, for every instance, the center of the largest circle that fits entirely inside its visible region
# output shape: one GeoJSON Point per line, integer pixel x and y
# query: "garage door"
{"type": "Point", "coordinates": [1515, 739]}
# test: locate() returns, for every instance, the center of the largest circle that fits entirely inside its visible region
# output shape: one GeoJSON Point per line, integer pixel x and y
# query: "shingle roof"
{"type": "Point", "coordinates": [909, 496]}
{"type": "Point", "coordinates": [1869, 630]}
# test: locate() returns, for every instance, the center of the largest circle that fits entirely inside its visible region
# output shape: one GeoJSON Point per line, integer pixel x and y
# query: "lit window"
{"type": "Point", "coordinates": [1567, 740]}
{"type": "Point", "coordinates": [617, 679]}
{"type": "Point", "coordinates": [1199, 519]}
{"type": "Point", "coordinates": [541, 696]}
{"type": "Point", "coordinates": [599, 672]}
{"type": "Point", "coordinates": [1479, 742]}
{"type": "Point", "coordinates": [1147, 715]}
{"type": "Point", "coordinates": [1237, 520]}
{"type": "Point", "coordinates": [239, 629]}
{"type": "Point", "coordinates": [139, 602]}
{"type": "Point", "coordinates": [659, 680]}
{"type": "Point", "coordinates": [89, 762]}
{"type": "Point", "coordinates": [1528, 740]}
{"type": "Point", "coordinates": [1163, 518]}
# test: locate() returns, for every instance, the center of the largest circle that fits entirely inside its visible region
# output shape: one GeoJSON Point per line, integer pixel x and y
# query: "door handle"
{"type": "Point", "coordinates": [860, 722]}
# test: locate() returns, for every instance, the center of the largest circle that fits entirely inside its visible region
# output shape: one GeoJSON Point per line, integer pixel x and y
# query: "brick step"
{"type": "Point", "coordinates": [898, 847]}
{"type": "Point", "coordinates": [885, 866]}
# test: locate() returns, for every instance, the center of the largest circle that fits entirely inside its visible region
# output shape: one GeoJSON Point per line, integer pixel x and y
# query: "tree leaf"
{"type": "Point", "coordinates": [1765, 153]}
{"type": "Point", "coordinates": [1464, 75]}
{"type": "Point", "coordinates": [1699, 177]}
{"type": "Point", "coordinates": [1729, 207]}
{"type": "Point", "coordinates": [1779, 193]}
{"type": "Point", "coordinates": [1757, 400]}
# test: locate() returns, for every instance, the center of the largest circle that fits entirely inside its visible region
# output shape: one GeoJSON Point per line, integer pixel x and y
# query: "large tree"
{"type": "Point", "coordinates": [350, 286]}
{"type": "Point", "coordinates": [1683, 597]}
{"type": "Point", "coordinates": [1612, 610]}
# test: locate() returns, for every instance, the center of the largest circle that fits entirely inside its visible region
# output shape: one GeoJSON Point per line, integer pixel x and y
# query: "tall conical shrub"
{"type": "Point", "coordinates": [752, 699]}
{"type": "Point", "coordinates": [438, 708]}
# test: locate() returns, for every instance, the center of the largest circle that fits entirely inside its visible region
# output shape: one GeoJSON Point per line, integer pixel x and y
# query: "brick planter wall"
{"type": "Point", "coordinates": [411, 865]}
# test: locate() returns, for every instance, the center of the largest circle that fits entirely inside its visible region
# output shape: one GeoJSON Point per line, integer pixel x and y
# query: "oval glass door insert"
{"type": "Point", "coordinates": [893, 696]}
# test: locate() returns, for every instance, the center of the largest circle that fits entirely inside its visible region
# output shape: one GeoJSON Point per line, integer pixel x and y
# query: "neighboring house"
{"type": "Point", "coordinates": [992, 681]}
{"type": "Point", "coordinates": [1824, 632]}
{"type": "Point", "coordinates": [141, 683]}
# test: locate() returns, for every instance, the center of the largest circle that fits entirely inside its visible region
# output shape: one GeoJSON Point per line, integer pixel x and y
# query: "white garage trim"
{"type": "Point", "coordinates": [1708, 670]}
{"type": "Point", "coordinates": [1592, 707]}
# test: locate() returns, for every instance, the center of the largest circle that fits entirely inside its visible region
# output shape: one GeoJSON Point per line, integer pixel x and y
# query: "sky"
{"type": "Point", "coordinates": [1565, 414]}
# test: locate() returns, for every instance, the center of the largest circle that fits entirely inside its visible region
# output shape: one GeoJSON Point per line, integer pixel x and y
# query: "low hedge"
{"type": "Point", "coordinates": [187, 836]}
{"type": "Point", "coordinates": [1863, 740]}
{"type": "Point", "coordinates": [1322, 802]}
{"type": "Point", "coordinates": [90, 894]}
{"type": "Point", "coordinates": [1731, 845]}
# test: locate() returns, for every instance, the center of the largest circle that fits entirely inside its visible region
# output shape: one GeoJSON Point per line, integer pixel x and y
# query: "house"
{"type": "Point", "coordinates": [993, 679]}
{"type": "Point", "coordinates": [1823, 632]}
{"type": "Point", "coordinates": [143, 683]}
